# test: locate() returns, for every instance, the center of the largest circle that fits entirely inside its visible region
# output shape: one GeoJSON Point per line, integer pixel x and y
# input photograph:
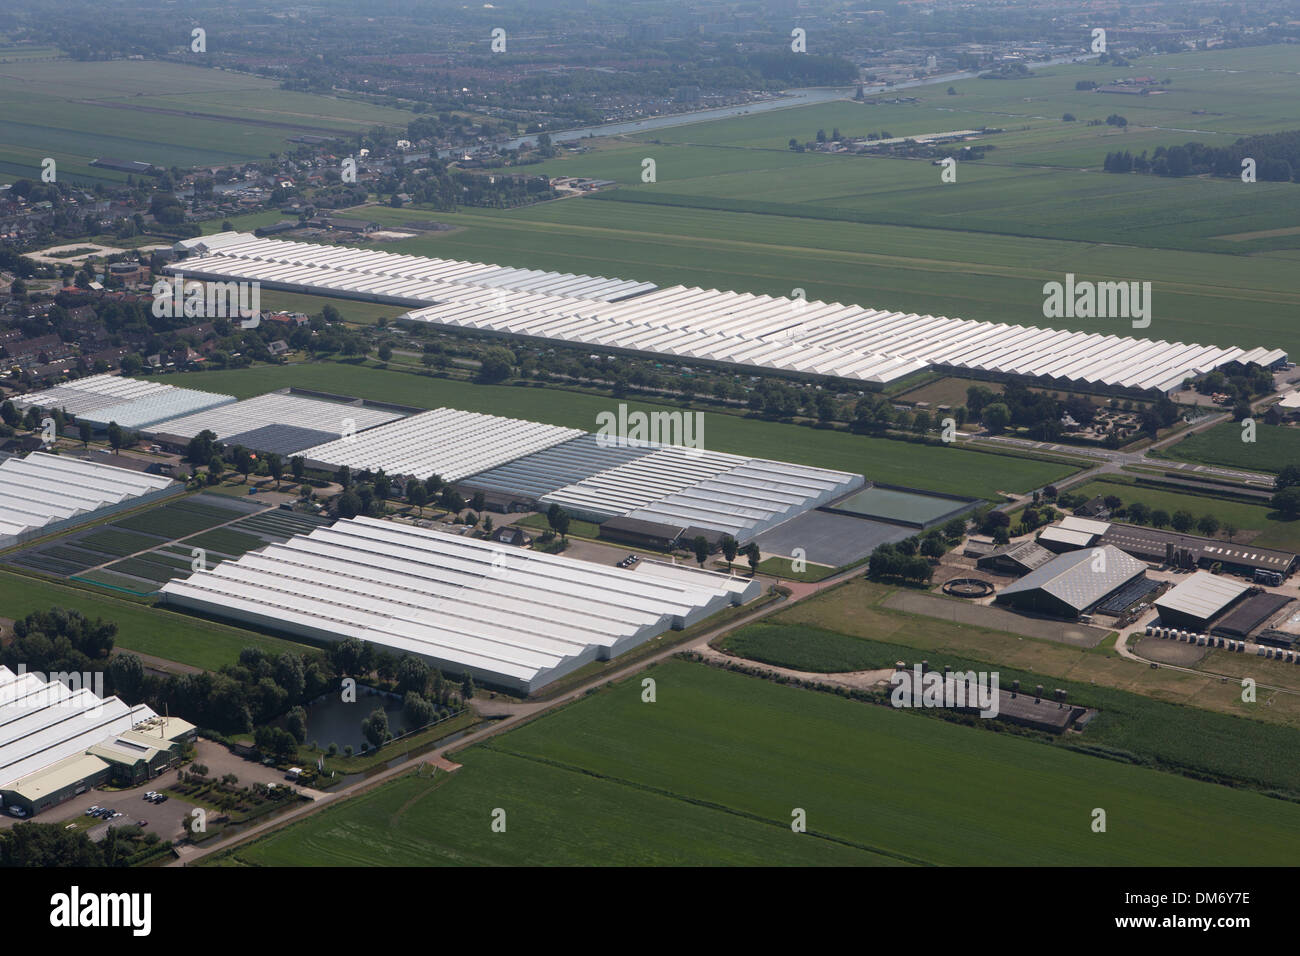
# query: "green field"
{"type": "Point", "coordinates": [928, 467]}
{"type": "Point", "coordinates": [1275, 447]}
{"type": "Point", "coordinates": [712, 772]}
{"type": "Point", "coordinates": [733, 208]}
{"type": "Point", "coordinates": [162, 113]}
{"type": "Point", "coordinates": [1274, 531]}
{"type": "Point", "coordinates": [141, 628]}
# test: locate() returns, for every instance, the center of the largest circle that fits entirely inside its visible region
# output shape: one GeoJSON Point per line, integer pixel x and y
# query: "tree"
{"type": "Point", "coordinates": [116, 437]}
{"type": "Point", "coordinates": [275, 467]}
{"type": "Point", "coordinates": [558, 519]}
{"type": "Point", "coordinates": [496, 365]}
{"type": "Point", "coordinates": [418, 710]}
{"type": "Point", "coordinates": [125, 674]}
{"type": "Point", "coordinates": [417, 495]}
{"type": "Point", "coordinates": [1159, 518]}
{"type": "Point", "coordinates": [1288, 476]}
{"type": "Point", "coordinates": [375, 728]}
{"type": "Point", "coordinates": [348, 505]}
{"type": "Point", "coordinates": [84, 432]}
{"type": "Point", "coordinates": [243, 461]}
{"type": "Point", "coordinates": [298, 467]}
{"type": "Point", "coordinates": [467, 686]}
{"type": "Point", "coordinates": [385, 352]}
{"type": "Point", "coordinates": [1208, 525]}
{"type": "Point", "coordinates": [730, 548]}
{"type": "Point", "coordinates": [752, 556]}
{"type": "Point", "coordinates": [1287, 501]}
{"type": "Point", "coordinates": [996, 416]}
{"type": "Point", "coordinates": [1138, 513]}
{"type": "Point", "coordinates": [701, 548]}
{"type": "Point", "coordinates": [955, 529]}
{"type": "Point", "coordinates": [1183, 520]}
{"type": "Point", "coordinates": [933, 547]}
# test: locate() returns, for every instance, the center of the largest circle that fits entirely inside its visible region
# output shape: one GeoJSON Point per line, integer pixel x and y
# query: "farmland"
{"type": "Point", "coordinates": [690, 778]}
{"type": "Point", "coordinates": [928, 467]}
{"type": "Point", "coordinates": [1275, 447]}
{"type": "Point", "coordinates": [733, 208]}
{"type": "Point", "coordinates": [162, 113]}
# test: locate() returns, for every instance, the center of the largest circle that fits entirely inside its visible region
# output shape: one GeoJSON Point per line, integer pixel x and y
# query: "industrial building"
{"type": "Point", "coordinates": [510, 618]}
{"type": "Point", "coordinates": [56, 742]}
{"type": "Point", "coordinates": [280, 423]}
{"type": "Point", "coordinates": [1072, 533]}
{"type": "Point", "coordinates": [1015, 559]}
{"type": "Point", "coordinates": [44, 493]}
{"type": "Point", "coordinates": [1189, 550]}
{"type": "Point", "coordinates": [1073, 584]}
{"type": "Point", "coordinates": [1198, 600]}
{"type": "Point", "coordinates": [794, 336]}
{"type": "Point", "coordinates": [131, 403]}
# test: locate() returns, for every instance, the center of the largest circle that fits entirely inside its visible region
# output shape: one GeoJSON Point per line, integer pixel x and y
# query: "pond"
{"type": "Point", "coordinates": [331, 720]}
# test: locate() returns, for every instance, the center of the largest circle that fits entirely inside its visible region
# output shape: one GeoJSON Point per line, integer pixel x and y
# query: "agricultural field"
{"type": "Point", "coordinates": [1270, 529]}
{"type": "Point", "coordinates": [1275, 447]}
{"type": "Point", "coordinates": [1129, 727]}
{"type": "Point", "coordinates": [690, 779]}
{"type": "Point", "coordinates": [859, 609]}
{"type": "Point", "coordinates": [141, 628]}
{"type": "Point", "coordinates": [732, 207]}
{"type": "Point", "coordinates": [162, 113]}
{"type": "Point", "coordinates": [928, 467]}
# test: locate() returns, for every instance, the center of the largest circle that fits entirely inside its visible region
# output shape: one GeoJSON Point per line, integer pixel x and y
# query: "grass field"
{"type": "Point", "coordinates": [712, 772]}
{"type": "Point", "coordinates": [857, 609]}
{"type": "Point", "coordinates": [141, 628]}
{"type": "Point", "coordinates": [162, 113]}
{"type": "Point", "coordinates": [1275, 447]}
{"type": "Point", "coordinates": [1273, 531]}
{"type": "Point", "coordinates": [928, 467]}
{"type": "Point", "coordinates": [733, 208]}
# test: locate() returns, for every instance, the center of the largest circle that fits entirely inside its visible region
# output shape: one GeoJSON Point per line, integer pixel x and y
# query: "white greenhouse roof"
{"type": "Point", "coordinates": [278, 409]}
{"type": "Point", "coordinates": [506, 615]}
{"type": "Point", "coordinates": [42, 489]}
{"type": "Point", "coordinates": [846, 341]}
{"type": "Point", "coordinates": [444, 441]}
{"type": "Point", "coordinates": [132, 403]}
{"type": "Point", "coordinates": [44, 722]}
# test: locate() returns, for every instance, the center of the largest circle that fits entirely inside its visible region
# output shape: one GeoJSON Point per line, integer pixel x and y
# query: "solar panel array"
{"type": "Point", "coordinates": [792, 335]}
{"type": "Point", "coordinates": [42, 722]}
{"type": "Point", "coordinates": [41, 490]}
{"type": "Point", "coordinates": [132, 403]}
{"type": "Point", "coordinates": [507, 616]}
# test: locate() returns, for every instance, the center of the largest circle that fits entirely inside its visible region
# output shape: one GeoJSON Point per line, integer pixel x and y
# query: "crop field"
{"type": "Point", "coordinates": [712, 771]}
{"type": "Point", "coordinates": [179, 519]}
{"type": "Point", "coordinates": [162, 113]}
{"type": "Point", "coordinates": [928, 467]}
{"type": "Point", "coordinates": [1129, 727]}
{"type": "Point", "coordinates": [1274, 447]}
{"type": "Point", "coordinates": [1273, 531]}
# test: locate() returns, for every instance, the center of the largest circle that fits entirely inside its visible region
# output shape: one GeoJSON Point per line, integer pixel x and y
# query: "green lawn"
{"type": "Point", "coordinates": [156, 631]}
{"type": "Point", "coordinates": [1275, 447]}
{"type": "Point", "coordinates": [928, 467]}
{"type": "Point", "coordinates": [713, 771]}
